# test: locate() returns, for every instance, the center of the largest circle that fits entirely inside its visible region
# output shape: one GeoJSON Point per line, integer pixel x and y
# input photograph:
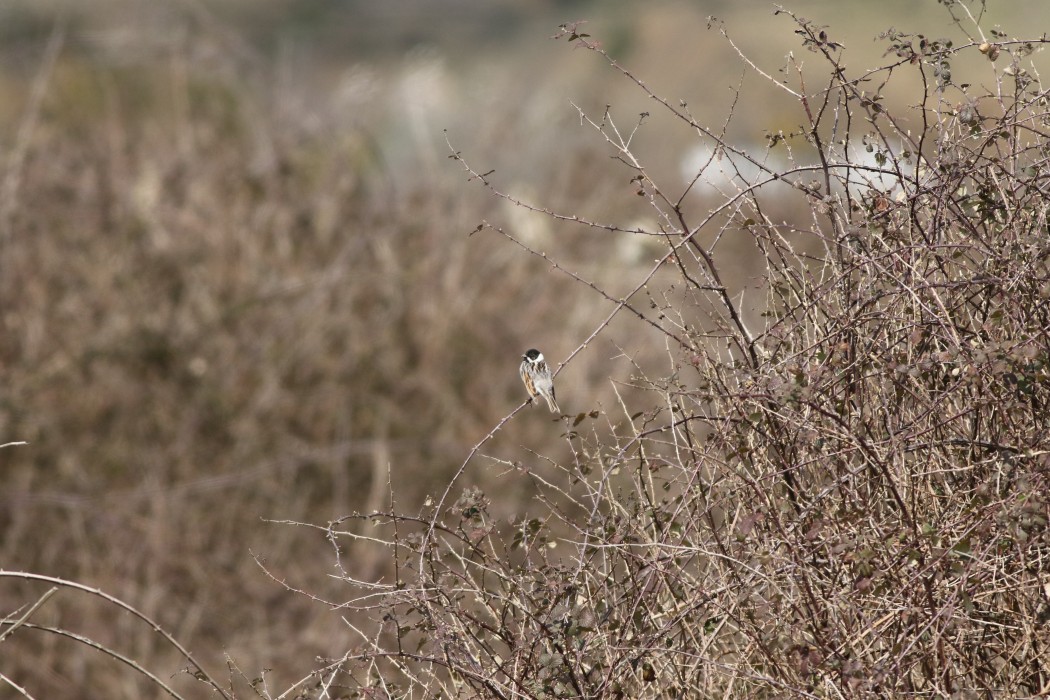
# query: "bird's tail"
{"type": "Point", "coordinates": [551, 403]}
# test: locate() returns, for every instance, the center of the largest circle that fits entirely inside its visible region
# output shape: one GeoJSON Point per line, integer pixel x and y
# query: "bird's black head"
{"type": "Point", "coordinates": [532, 355]}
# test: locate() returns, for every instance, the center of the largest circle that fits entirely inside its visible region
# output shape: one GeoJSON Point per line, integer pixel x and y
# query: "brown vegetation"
{"type": "Point", "coordinates": [822, 472]}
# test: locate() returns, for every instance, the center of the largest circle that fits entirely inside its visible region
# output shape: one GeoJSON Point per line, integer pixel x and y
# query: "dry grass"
{"type": "Point", "coordinates": [214, 313]}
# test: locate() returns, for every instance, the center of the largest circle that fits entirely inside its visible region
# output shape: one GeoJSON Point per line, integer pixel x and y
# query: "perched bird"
{"type": "Point", "coordinates": [537, 377]}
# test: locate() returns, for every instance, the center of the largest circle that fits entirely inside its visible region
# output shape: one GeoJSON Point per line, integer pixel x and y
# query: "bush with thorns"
{"type": "Point", "coordinates": [843, 495]}
{"type": "Point", "coordinates": [840, 490]}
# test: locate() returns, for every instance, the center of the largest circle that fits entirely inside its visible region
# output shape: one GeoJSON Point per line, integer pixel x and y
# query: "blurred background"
{"type": "Point", "coordinates": [237, 283]}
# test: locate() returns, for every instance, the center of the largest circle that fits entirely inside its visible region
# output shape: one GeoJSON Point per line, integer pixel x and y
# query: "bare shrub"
{"type": "Point", "coordinates": [833, 482]}
{"type": "Point", "coordinates": [842, 492]}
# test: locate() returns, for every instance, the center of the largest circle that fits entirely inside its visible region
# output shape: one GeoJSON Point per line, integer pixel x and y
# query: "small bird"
{"type": "Point", "coordinates": [537, 377]}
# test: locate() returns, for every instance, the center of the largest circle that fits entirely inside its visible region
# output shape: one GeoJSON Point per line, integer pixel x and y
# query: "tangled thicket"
{"type": "Point", "coordinates": [844, 496]}
{"type": "Point", "coordinates": [838, 490]}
